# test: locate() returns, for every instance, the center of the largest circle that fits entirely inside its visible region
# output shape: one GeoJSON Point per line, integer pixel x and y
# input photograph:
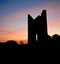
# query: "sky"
{"type": "Point", "coordinates": [14, 17]}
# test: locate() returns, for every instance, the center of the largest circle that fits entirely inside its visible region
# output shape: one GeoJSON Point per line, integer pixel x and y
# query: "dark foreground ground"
{"type": "Point", "coordinates": [48, 53]}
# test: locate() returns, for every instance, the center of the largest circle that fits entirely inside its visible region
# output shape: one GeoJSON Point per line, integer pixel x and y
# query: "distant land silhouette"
{"type": "Point", "coordinates": [37, 35]}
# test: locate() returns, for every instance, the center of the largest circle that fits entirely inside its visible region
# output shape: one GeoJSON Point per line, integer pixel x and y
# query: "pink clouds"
{"type": "Point", "coordinates": [2, 30]}
{"type": "Point", "coordinates": [15, 35]}
{"type": "Point", "coordinates": [55, 22]}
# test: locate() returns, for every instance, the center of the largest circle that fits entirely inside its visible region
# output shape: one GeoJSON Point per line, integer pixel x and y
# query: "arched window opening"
{"type": "Point", "coordinates": [36, 37]}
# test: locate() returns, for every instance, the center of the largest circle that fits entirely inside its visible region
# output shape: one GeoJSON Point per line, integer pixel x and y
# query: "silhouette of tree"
{"type": "Point", "coordinates": [11, 43]}
{"type": "Point", "coordinates": [56, 36]}
{"type": "Point", "coordinates": [21, 42]}
{"type": "Point", "coordinates": [49, 37]}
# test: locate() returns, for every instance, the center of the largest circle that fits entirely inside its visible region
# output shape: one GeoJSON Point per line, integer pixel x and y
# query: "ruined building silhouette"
{"type": "Point", "coordinates": [37, 29]}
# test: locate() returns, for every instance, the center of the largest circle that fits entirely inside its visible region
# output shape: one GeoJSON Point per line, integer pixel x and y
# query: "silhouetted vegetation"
{"type": "Point", "coordinates": [53, 42]}
{"type": "Point", "coordinates": [21, 42]}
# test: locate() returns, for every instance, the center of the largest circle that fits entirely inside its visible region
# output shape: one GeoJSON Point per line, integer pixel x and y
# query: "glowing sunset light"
{"type": "Point", "coordinates": [14, 17]}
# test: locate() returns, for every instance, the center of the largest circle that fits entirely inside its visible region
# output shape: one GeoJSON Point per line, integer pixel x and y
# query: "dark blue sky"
{"type": "Point", "coordinates": [7, 5]}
